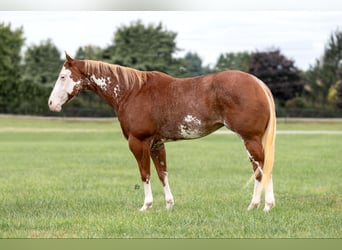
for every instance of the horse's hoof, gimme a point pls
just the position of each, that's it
(169, 204)
(145, 207)
(253, 206)
(268, 207)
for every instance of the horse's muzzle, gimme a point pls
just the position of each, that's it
(55, 107)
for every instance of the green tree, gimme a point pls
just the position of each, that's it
(142, 47)
(323, 77)
(33, 98)
(89, 52)
(315, 90)
(234, 61)
(42, 63)
(11, 42)
(190, 65)
(279, 73)
(339, 89)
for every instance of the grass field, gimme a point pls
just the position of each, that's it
(77, 179)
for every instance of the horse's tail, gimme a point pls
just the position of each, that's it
(268, 139)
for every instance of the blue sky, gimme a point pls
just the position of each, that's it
(298, 32)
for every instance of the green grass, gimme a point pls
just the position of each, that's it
(77, 179)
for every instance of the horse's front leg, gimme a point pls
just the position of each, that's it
(158, 156)
(141, 151)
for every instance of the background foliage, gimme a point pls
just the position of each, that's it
(11, 42)
(28, 74)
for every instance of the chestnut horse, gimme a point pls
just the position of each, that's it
(153, 108)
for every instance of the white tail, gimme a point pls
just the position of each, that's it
(268, 140)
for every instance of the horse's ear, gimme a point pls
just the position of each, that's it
(68, 58)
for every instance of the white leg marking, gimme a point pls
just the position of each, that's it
(256, 196)
(269, 196)
(148, 196)
(168, 195)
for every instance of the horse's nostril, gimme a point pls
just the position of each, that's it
(50, 102)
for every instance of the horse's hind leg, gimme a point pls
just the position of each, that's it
(256, 156)
(269, 196)
(158, 156)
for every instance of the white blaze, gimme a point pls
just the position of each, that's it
(63, 88)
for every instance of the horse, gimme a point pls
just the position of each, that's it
(154, 108)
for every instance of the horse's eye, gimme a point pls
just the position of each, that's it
(62, 77)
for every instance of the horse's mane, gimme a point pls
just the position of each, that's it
(128, 76)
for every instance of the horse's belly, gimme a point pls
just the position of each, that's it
(190, 127)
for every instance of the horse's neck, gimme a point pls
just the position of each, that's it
(112, 88)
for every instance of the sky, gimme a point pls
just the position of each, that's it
(299, 33)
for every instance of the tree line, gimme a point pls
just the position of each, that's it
(27, 77)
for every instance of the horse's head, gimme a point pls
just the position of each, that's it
(68, 84)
